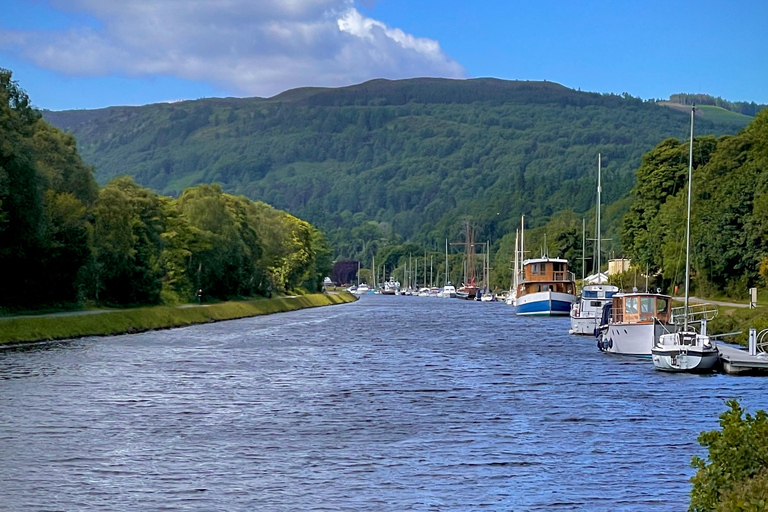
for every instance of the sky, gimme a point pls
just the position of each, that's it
(85, 54)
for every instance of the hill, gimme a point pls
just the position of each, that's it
(415, 156)
(713, 113)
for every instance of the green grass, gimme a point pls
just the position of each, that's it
(713, 113)
(42, 328)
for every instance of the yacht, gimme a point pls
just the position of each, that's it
(685, 350)
(632, 322)
(585, 313)
(447, 292)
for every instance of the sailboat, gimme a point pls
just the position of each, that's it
(585, 313)
(448, 291)
(686, 350)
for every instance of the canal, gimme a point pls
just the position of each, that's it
(390, 403)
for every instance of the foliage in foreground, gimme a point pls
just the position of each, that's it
(734, 478)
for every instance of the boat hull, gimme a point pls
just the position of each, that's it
(694, 359)
(583, 325)
(634, 339)
(546, 303)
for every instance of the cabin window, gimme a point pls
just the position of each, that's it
(661, 305)
(630, 306)
(595, 303)
(537, 269)
(646, 305)
(559, 267)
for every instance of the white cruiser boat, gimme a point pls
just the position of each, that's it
(585, 314)
(447, 292)
(632, 322)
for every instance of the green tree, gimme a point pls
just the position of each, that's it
(734, 473)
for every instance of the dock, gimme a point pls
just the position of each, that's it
(738, 361)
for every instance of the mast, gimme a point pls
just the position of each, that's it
(515, 270)
(447, 274)
(373, 272)
(688, 225)
(583, 248)
(599, 190)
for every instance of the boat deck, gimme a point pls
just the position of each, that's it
(738, 361)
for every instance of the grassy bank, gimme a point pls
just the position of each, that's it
(41, 328)
(730, 319)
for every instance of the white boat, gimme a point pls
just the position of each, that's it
(363, 289)
(545, 288)
(686, 350)
(585, 313)
(424, 292)
(632, 322)
(391, 287)
(447, 292)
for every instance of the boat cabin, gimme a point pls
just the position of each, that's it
(634, 308)
(546, 274)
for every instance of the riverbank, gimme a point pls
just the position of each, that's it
(29, 329)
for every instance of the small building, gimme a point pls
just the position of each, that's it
(618, 266)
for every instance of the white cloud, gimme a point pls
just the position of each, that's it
(249, 47)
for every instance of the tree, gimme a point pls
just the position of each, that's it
(734, 473)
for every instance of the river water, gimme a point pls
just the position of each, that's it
(389, 403)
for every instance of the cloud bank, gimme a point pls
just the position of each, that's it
(249, 47)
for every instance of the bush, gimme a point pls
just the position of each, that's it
(734, 477)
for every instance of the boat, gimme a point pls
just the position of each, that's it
(447, 292)
(546, 288)
(363, 289)
(686, 350)
(391, 287)
(632, 322)
(585, 313)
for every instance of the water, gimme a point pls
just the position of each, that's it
(390, 403)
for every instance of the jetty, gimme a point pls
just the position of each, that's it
(739, 361)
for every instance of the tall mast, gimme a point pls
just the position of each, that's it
(515, 269)
(446, 262)
(599, 190)
(688, 225)
(583, 248)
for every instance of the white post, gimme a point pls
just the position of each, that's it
(752, 341)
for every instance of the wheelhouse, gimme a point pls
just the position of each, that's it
(635, 308)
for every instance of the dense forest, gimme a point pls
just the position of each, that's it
(729, 220)
(385, 162)
(65, 241)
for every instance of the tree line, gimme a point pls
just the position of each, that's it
(740, 107)
(64, 241)
(729, 219)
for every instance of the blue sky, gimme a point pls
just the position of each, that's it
(70, 54)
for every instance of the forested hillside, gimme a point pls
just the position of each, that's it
(64, 241)
(729, 220)
(393, 160)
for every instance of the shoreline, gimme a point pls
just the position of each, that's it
(26, 330)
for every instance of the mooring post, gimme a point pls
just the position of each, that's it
(752, 341)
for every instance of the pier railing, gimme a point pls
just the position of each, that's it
(696, 314)
(564, 276)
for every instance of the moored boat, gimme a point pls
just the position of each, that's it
(545, 288)
(585, 313)
(632, 322)
(686, 350)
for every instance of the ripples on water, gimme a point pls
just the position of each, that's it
(390, 403)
